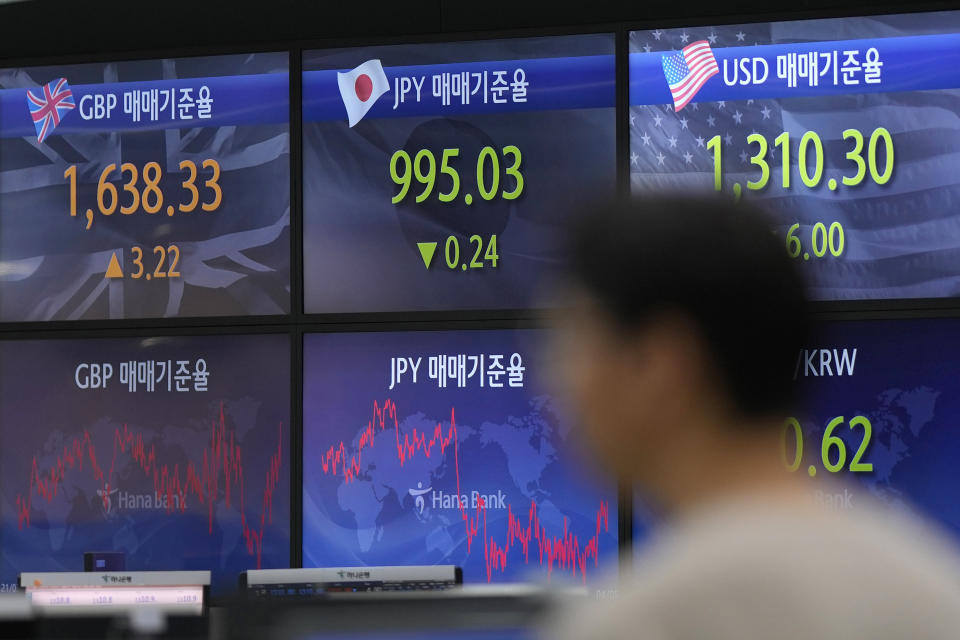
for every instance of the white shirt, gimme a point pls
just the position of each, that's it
(763, 570)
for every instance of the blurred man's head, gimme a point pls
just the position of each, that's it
(688, 317)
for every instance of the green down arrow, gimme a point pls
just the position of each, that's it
(427, 249)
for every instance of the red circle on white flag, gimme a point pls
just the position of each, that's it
(364, 87)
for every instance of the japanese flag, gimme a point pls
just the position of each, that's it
(362, 87)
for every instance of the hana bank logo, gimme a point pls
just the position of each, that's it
(106, 500)
(440, 500)
(113, 501)
(418, 494)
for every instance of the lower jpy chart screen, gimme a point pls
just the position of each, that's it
(173, 450)
(445, 448)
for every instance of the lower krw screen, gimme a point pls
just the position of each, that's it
(880, 409)
(445, 448)
(876, 422)
(172, 450)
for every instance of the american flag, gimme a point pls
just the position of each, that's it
(46, 109)
(687, 70)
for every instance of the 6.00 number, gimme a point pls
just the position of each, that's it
(822, 240)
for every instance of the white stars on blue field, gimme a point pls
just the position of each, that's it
(665, 141)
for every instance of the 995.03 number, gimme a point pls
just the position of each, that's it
(424, 168)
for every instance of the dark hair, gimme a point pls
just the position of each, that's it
(715, 261)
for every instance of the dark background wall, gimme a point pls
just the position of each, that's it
(42, 28)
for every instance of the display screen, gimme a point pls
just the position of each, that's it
(845, 129)
(445, 448)
(876, 423)
(146, 189)
(436, 176)
(173, 450)
(881, 408)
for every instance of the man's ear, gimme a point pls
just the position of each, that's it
(670, 346)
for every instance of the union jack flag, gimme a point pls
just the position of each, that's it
(46, 109)
(687, 70)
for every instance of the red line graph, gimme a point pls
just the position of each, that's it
(222, 463)
(565, 550)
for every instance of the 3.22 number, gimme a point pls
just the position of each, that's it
(172, 252)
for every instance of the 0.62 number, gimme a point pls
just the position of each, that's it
(833, 449)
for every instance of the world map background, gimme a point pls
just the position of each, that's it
(510, 440)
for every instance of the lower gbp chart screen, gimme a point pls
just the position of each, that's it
(172, 450)
(445, 448)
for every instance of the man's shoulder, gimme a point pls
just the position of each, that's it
(744, 571)
(821, 571)
(747, 538)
